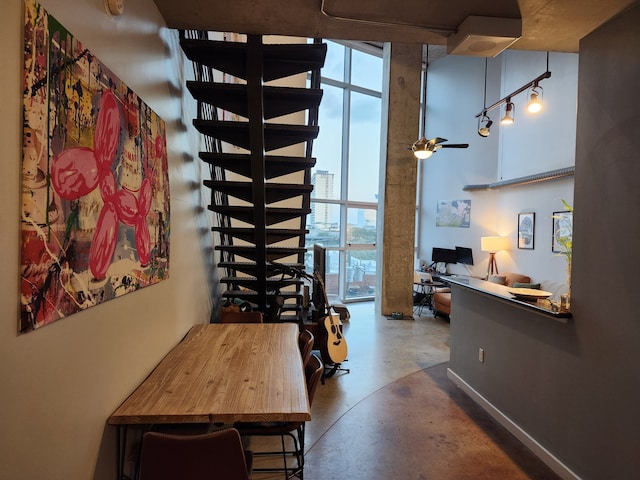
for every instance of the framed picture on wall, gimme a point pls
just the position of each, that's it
(526, 230)
(95, 221)
(562, 231)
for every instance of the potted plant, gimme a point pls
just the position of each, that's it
(563, 236)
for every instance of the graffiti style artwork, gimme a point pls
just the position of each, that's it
(95, 187)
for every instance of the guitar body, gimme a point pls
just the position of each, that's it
(334, 347)
(337, 349)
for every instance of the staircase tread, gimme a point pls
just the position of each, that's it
(252, 293)
(251, 229)
(276, 135)
(269, 209)
(251, 267)
(245, 184)
(271, 279)
(275, 165)
(273, 192)
(246, 157)
(253, 264)
(253, 247)
(280, 60)
(276, 128)
(269, 128)
(277, 101)
(270, 89)
(272, 236)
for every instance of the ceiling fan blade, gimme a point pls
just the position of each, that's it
(455, 145)
(437, 140)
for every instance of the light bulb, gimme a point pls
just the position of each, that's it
(534, 105)
(422, 154)
(508, 116)
(507, 119)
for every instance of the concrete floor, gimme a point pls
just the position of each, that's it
(397, 416)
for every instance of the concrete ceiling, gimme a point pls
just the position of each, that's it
(547, 25)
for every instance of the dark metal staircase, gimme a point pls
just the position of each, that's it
(259, 219)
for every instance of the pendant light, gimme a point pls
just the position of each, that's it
(484, 122)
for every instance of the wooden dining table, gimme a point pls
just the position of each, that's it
(220, 374)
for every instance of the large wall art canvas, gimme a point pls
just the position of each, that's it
(453, 213)
(95, 189)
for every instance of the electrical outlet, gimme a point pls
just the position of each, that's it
(481, 355)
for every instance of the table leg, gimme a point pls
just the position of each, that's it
(121, 451)
(123, 438)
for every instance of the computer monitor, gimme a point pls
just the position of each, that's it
(319, 270)
(444, 255)
(464, 255)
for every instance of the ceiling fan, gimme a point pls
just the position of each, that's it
(423, 148)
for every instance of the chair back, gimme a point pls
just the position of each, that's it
(241, 317)
(212, 456)
(305, 342)
(313, 373)
(511, 278)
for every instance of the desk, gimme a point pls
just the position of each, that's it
(221, 373)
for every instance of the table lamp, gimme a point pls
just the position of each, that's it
(493, 245)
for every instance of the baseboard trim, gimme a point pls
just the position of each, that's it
(542, 453)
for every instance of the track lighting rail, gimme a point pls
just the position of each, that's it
(507, 98)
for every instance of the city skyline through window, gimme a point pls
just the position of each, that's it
(345, 198)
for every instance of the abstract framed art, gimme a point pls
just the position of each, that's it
(95, 186)
(526, 230)
(454, 213)
(562, 231)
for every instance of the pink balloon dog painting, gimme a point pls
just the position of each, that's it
(95, 187)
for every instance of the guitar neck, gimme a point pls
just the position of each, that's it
(324, 291)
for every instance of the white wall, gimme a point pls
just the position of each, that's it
(60, 383)
(533, 144)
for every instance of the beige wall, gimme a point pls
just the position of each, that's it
(59, 384)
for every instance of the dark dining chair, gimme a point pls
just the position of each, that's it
(211, 456)
(305, 342)
(241, 317)
(295, 430)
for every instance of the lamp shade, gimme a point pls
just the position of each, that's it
(494, 244)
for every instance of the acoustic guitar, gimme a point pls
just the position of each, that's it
(336, 346)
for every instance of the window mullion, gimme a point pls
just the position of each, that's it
(344, 194)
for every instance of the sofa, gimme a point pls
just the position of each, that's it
(442, 300)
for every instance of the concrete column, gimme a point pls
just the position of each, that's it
(397, 203)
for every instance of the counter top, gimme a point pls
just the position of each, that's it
(501, 292)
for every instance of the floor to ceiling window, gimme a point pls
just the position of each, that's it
(345, 198)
